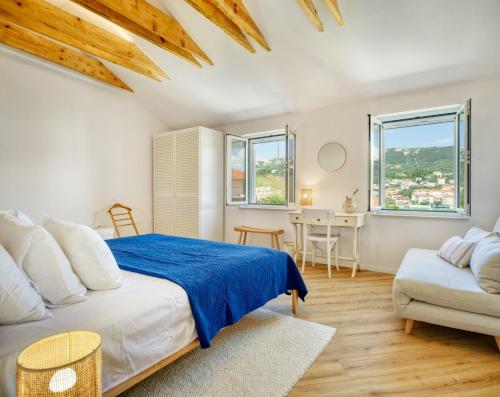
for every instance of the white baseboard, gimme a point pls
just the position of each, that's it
(320, 260)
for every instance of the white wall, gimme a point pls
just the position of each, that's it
(69, 147)
(384, 240)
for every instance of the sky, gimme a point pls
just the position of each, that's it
(270, 150)
(429, 135)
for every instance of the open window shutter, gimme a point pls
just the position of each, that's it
(375, 190)
(463, 163)
(236, 170)
(467, 157)
(290, 168)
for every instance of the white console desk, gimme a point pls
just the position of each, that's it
(353, 220)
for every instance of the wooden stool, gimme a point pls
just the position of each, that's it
(274, 233)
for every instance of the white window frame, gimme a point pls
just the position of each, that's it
(449, 113)
(290, 165)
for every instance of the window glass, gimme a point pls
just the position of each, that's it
(268, 170)
(419, 165)
(238, 171)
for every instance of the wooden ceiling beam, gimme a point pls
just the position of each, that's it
(149, 22)
(236, 11)
(310, 10)
(51, 21)
(333, 6)
(34, 44)
(212, 12)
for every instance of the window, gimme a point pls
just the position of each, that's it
(420, 161)
(261, 168)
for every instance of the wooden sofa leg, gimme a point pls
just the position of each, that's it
(497, 340)
(409, 326)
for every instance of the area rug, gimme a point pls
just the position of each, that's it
(264, 354)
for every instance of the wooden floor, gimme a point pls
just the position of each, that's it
(372, 356)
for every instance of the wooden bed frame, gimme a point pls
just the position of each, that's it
(115, 391)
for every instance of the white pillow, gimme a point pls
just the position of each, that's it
(89, 255)
(457, 251)
(19, 302)
(14, 238)
(19, 215)
(45, 265)
(496, 228)
(485, 264)
(476, 234)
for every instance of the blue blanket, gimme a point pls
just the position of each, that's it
(224, 282)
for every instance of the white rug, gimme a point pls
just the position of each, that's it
(264, 354)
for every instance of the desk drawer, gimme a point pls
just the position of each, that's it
(345, 221)
(295, 218)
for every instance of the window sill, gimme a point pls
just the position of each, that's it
(411, 214)
(267, 207)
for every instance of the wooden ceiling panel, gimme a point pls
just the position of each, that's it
(236, 11)
(32, 43)
(51, 21)
(144, 19)
(310, 10)
(333, 6)
(211, 11)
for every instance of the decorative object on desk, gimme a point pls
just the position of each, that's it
(349, 204)
(332, 156)
(65, 364)
(306, 199)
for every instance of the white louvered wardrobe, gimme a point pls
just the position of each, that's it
(188, 183)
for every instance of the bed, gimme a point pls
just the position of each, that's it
(155, 316)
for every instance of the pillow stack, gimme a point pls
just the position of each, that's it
(38, 255)
(89, 255)
(480, 249)
(49, 266)
(19, 302)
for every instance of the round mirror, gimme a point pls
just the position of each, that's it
(332, 156)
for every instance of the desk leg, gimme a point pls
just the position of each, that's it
(296, 251)
(355, 251)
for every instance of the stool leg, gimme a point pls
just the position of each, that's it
(240, 238)
(244, 238)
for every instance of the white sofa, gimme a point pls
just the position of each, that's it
(429, 289)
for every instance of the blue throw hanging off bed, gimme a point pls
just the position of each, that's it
(223, 281)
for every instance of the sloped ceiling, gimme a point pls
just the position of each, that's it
(385, 46)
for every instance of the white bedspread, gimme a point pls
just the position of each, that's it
(140, 323)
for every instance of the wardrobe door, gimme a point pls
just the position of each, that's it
(187, 187)
(164, 184)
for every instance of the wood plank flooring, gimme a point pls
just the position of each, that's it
(372, 356)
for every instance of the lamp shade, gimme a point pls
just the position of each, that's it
(305, 197)
(63, 365)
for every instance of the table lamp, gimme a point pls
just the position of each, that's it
(305, 199)
(63, 365)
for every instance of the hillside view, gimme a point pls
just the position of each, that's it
(420, 178)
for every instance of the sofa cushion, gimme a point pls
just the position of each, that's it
(496, 228)
(485, 264)
(423, 276)
(477, 234)
(457, 251)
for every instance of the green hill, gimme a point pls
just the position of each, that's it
(414, 163)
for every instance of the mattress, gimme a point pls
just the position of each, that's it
(140, 323)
